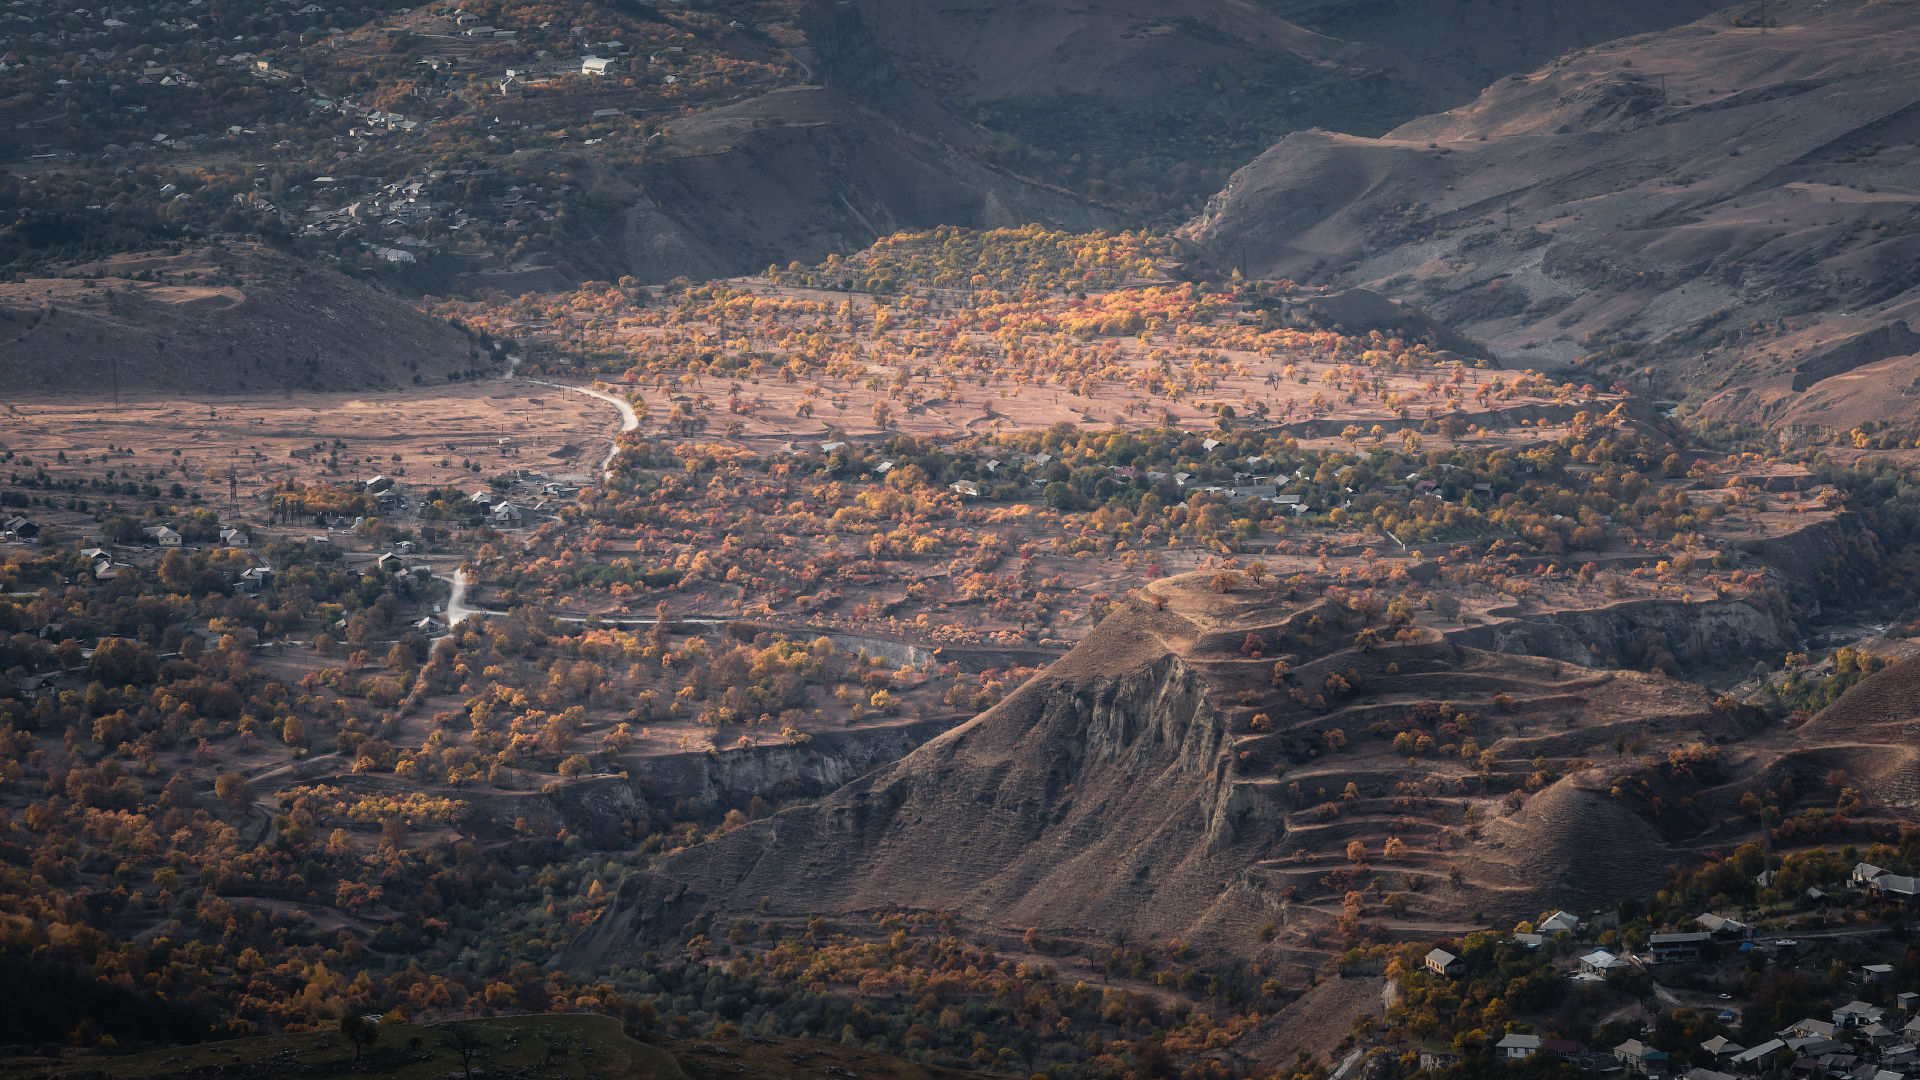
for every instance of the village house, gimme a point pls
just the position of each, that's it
(1517, 1047)
(1757, 1056)
(1558, 921)
(1442, 962)
(1600, 962)
(1809, 1028)
(1722, 1047)
(1857, 1013)
(1640, 1058)
(1723, 928)
(1677, 948)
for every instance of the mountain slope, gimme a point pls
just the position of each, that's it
(1669, 193)
(214, 320)
(802, 173)
(1149, 104)
(1159, 782)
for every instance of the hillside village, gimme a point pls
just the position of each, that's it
(852, 541)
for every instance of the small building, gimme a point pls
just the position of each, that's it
(1879, 1034)
(164, 536)
(1442, 962)
(1565, 1050)
(1895, 887)
(1558, 921)
(966, 489)
(1697, 1073)
(506, 515)
(1864, 873)
(1858, 1013)
(1905, 1001)
(1722, 1047)
(1601, 962)
(1677, 948)
(234, 538)
(1757, 1057)
(1517, 1047)
(23, 528)
(1809, 1028)
(391, 563)
(1640, 1058)
(597, 65)
(1725, 929)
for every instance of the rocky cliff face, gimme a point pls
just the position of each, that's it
(820, 765)
(1100, 796)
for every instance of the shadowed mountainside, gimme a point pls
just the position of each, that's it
(216, 320)
(1724, 203)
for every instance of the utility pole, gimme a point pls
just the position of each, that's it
(1766, 842)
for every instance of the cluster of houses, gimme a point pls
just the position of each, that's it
(1856, 1044)
(1859, 1040)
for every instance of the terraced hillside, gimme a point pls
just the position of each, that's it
(1199, 768)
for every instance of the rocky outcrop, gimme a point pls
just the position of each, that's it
(1710, 633)
(823, 763)
(1101, 796)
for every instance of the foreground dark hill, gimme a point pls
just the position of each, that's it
(1728, 204)
(1160, 782)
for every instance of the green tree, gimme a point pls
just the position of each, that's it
(360, 1032)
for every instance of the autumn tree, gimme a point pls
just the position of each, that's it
(123, 661)
(400, 659)
(233, 789)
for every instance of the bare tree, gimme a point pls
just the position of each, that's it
(464, 1042)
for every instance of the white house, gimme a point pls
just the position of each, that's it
(596, 65)
(166, 537)
(1516, 1047)
(1600, 962)
(1856, 1013)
